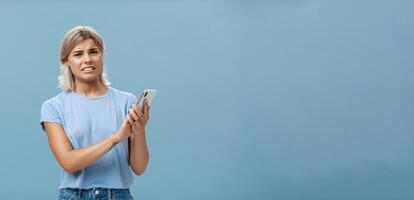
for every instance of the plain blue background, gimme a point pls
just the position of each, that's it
(283, 99)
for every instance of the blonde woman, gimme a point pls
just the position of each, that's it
(96, 132)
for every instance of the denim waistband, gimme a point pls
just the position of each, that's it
(95, 193)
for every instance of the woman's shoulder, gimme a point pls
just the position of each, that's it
(123, 98)
(122, 94)
(56, 101)
(58, 98)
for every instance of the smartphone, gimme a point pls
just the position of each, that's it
(148, 94)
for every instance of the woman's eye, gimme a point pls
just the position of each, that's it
(77, 55)
(94, 52)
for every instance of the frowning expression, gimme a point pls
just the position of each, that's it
(85, 61)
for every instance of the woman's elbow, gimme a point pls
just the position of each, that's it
(69, 167)
(138, 171)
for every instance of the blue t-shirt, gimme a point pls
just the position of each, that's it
(89, 120)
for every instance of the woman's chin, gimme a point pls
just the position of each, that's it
(89, 78)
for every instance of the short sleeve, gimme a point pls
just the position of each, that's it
(49, 113)
(131, 100)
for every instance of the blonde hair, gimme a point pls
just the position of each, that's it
(73, 37)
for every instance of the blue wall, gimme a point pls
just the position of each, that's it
(284, 99)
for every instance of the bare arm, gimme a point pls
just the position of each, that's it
(73, 160)
(138, 150)
(139, 154)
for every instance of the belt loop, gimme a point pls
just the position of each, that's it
(109, 194)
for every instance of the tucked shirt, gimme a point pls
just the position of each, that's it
(89, 120)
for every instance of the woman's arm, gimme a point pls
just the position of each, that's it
(73, 160)
(139, 154)
(138, 150)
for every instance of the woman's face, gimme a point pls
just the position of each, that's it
(85, 61)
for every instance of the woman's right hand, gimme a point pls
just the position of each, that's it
(124, 131)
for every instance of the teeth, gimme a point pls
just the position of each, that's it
(88, 69)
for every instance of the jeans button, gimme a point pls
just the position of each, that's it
(96, 192)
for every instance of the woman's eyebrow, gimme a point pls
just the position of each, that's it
(81, 50)
(78, 51)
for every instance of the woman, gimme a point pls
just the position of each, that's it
(96, 132)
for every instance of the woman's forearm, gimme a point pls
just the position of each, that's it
(139, 154)
(78, 159)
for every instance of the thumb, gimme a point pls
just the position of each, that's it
(125, 122)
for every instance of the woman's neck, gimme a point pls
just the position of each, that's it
(90, 89)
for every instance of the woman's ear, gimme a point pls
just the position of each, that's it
(66, 65)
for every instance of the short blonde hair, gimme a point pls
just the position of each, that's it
(73, 37)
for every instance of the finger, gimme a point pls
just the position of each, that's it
(133, 114)
(146, 107)
(129, 116)
(141, 118)
(130, 121)
(136, 114)
(137, 111)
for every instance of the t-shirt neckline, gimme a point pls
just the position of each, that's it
(92, 98)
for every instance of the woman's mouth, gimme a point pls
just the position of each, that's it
(88, 69)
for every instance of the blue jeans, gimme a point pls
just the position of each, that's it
(94, 193)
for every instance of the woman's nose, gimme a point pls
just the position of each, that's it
(87, 58)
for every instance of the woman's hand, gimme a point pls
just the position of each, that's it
(124, 131)
(137, 119)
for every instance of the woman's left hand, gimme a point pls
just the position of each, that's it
(137, 119)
